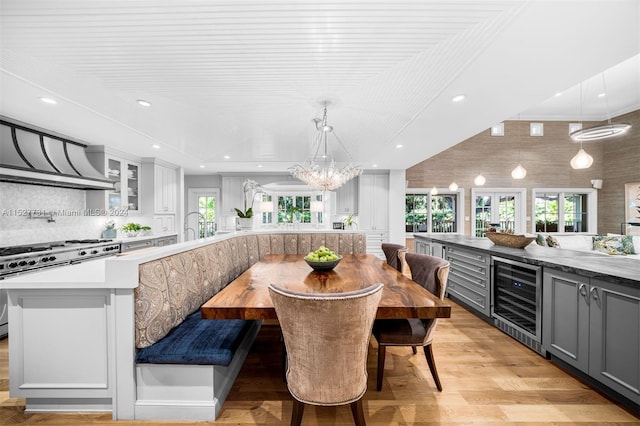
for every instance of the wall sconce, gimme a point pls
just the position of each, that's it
(596, 183)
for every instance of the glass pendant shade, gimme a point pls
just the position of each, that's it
(480, 180)
(453, 186)
(581, 160)
(434, 191)
(519, 172)
(321, 172)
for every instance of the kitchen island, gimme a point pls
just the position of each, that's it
(581, 309)
(73, 328)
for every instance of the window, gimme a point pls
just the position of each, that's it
(431, 213)
(503, 209)
(207, 217)
(294, 208)
(565, 210)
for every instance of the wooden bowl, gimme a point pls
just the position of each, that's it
(510, 240)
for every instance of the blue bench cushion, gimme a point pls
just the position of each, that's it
(197, 341)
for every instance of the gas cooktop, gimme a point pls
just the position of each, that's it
(29, 257)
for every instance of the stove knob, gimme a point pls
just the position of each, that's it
(32, 262)
(22, 263)
(13, 265)
(82, 253)
(52, 258)
(94, 252)
(44, 259)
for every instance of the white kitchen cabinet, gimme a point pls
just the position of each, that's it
(232, 194)
(373, 205)
(124, 173)
(164, 223)
(347, 198)
(373, 210)
(159, 187)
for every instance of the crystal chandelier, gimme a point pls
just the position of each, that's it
(321, 171)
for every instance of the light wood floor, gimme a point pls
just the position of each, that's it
(488, 379)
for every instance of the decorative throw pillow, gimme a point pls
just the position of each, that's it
(616, 245)
(552, 242)
(541, 241)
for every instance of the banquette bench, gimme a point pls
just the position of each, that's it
(185, 365)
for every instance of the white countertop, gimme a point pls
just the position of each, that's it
(88, 274)
(121, 270)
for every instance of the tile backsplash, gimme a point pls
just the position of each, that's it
(68, 206)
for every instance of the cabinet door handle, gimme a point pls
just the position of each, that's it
(594, 293)
(582, 289)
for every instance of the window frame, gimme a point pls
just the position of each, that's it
(315, 218)
(459, 210)
(592, 208)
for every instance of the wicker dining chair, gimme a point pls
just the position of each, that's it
(326, 337)
(430, 272)
(394, 253)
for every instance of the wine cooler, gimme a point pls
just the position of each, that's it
(517, 301)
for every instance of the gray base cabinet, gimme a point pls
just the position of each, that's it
(469, 278)
(594, 326)
(431, 248)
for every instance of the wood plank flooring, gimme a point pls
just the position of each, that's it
(488, 379)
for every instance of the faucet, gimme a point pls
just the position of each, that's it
(186, 225)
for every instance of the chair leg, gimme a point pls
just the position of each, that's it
(296, 414)
(382, 351)
(414, 349)
(428, 353)
(358, 412)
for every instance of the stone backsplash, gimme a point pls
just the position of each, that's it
(72, 220)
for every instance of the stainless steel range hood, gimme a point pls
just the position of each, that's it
(28, 155)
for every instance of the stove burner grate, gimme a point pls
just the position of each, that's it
(86, 241)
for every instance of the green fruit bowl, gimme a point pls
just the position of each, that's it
(323, 266)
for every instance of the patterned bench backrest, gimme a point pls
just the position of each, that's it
(173, 287)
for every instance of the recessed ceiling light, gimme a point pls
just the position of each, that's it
(202, 166)
(458, 98)
(155, 146)
(602, 95)
(226, 157)
(399, 145)
(558, 94)
(143, 103)
(259, 166)
(49, 101)
(374, 166)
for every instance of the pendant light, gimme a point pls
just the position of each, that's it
(519, 172)
(434, 191)
(581, 160)
(480, 180)
(453, 186)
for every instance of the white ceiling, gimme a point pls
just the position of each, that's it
(245, 78)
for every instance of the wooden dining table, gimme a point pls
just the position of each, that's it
(247, 297)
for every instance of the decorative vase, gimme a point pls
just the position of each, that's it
(244, 223)
(109, 233)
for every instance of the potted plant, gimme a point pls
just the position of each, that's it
(132, 229)
(349, 222)
(251, 188)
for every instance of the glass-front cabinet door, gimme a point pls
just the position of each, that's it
(124, 174)
(126, 192)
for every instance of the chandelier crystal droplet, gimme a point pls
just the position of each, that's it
(321, 172)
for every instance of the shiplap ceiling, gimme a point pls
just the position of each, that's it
(245, 78)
